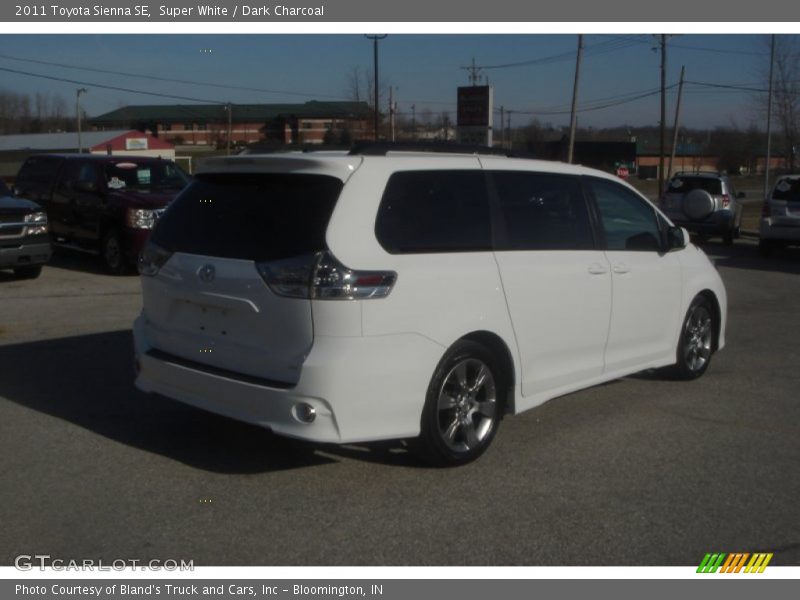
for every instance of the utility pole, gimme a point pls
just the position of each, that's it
(573, 121)
(675, 126)
(508, 128)
(474, 73)
(229, 108)
(375, 39)
(502, 128)
(414, 120)
(78, 93)
(769, 118)
(391, 111)
(663, 114)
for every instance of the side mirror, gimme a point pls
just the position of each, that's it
(89, 187)
(677, 237)
(741, 195)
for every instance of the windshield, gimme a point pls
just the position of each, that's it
(145, 175)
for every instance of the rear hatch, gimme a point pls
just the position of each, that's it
(678, 201)
(208, 303)
(784, 205)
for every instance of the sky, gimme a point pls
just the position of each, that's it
(532, 74)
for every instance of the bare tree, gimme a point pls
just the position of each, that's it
(786, 96)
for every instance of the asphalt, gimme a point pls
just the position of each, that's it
(641, 471)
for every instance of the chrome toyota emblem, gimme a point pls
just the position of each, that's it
(206, 273)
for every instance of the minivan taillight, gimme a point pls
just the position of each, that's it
(322, 277)
(152, 258)
(726, 201)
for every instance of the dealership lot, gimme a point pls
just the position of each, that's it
(639, 471)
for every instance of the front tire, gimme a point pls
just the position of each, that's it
(463, 407)
(30, 272)
(696, 342)
(112, 254)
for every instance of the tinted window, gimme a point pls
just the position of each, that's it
(144, 175)
(38, 170)
(684, 185)
(4, 191)
(434, 211)
(787, 189)
(250, 216)
(629, 223)
(542, 212)
(72, 172)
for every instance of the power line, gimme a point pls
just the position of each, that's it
(171, 80)
(700, 48)
(111, 87)
(726, 86)
(595, 49)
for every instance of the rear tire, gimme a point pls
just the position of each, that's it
(696, 342)
(31, 272)
(463, 407)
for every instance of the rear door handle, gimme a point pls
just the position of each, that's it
(621, 268)
(597, 269)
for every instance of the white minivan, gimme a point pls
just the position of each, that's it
(388, 294)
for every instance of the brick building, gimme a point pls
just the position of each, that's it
(207, 124)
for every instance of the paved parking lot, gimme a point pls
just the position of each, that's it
(641, 471)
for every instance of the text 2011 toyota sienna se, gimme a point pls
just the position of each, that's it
(349, 298)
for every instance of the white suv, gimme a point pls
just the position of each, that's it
(383, 295)
(780, 217)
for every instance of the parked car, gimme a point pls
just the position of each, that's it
(780, 217)
(24, 240)
(101, 204)
(389, 294)
(704, 203)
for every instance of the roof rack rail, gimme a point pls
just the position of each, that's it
(277, 148)
(382, 148)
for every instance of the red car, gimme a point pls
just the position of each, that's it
(101, 204)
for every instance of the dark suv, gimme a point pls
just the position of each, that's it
(105, 205)
(24, 242)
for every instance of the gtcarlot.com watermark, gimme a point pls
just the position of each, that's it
(29, 562)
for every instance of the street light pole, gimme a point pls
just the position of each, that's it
(78, 93)
(663, 114)
(769, 118)
(375, 39)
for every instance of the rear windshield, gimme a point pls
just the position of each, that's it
(787, 189)
(682, 185)
(144, 175)
(250, 216)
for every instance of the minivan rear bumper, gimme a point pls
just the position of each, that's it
(361, 388)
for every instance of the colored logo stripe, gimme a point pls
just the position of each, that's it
(758, 563)
(734, 562)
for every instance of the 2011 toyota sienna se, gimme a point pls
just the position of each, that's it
(411, 295)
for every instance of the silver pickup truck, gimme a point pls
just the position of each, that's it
(24, 235)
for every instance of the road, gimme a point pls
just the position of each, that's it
(641, 471)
